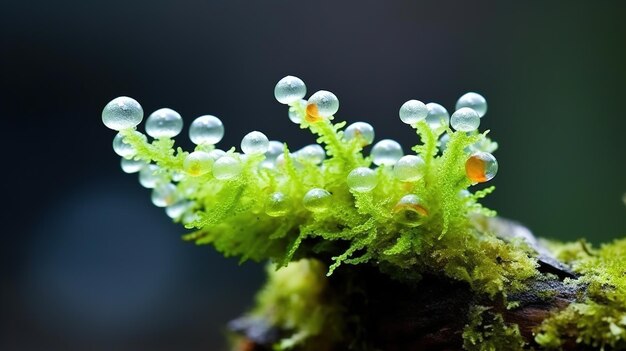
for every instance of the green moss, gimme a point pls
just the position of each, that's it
(487, 331)
(599, 319)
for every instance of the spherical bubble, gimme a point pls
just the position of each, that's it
(150, 176)
(294, 111)
(313, 153)
(289, 90)
(317, 200)
(122, 148)
(438, 116)
(198, 163)
(227, 167)
(274, 149)
(164, 123)
(178, 176)
(322, 104)
(386, 152)
(122, 113)
(360, 130)
(474, 101)
(255, 143)
(465, 120)
(443, 141)
(413, 111)
(409, 211)
(177, 209)
(362, 179)
(131, 165)
(409, 168)
(164, 195)
(481, 167)
(216, 154)
(277, 205)
(206, 130)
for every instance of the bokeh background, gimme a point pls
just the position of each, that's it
(87, 263)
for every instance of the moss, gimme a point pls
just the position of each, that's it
(599, 318)
(487, 331)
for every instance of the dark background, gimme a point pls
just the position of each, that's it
(89, 264)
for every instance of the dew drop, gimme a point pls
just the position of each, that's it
(437, 117)
(122, 113)
(164, 195)
(409, 211)
(227, 167)
(198, 163)
(361, 131)
(481, 167)
(474, 101)
(131, 165)
(122, 148)
(255, 143)
(277, 205)
(386, 152)
(206, 130)
(164, 123)
(413, 111)
(317, 200)
(362, 179)
(465, 120)
(289, 90)
(322, 104)
(312, 153)
(150, 175)
(295, 114)
(409, 168)
(177, 209)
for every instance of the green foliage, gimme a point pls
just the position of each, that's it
(599, 319)
(487, 331)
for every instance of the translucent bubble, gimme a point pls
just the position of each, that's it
(178, 176)
(206, 130)
(413, 111)
(122, 148)
(122, 113)
(474, 101)
(386, 152)
(409, 211)
(177, 209)
(131, 165)
(294, 111)
(150, 175)
(289, 90)
(322, 104)
(317, 200)
(164, 123)
(216, 154)
(198, 163)
(409, 168)
(362, 179)
(437, 116)
(255, 143)
(481, 167)
(227, 167)
(465, 120)
(277, 205)
(443, 141)
(164, 195)
(313, 153)
(360, 130)
(274, 149)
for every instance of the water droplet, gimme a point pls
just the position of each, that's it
(216, 154)
(474, 101)
(465, 120)
(164, 123)
(227, 167)
(312, 153)
(409, 168)
(322, 104)
(122, 113)
(255, 143)
(206, 130)
(386, 152)
(289, 90)
(409, 211)
(481, 167)
(131, 165)
(198, 163)
(362, 179)
(295, 114)
(150, 175)
(122, 148)
(360, 130)
(177, 209)
(443, 141)
(317, 200)
(164, 195)
(437, 117)
(413, 111)
(277, 205)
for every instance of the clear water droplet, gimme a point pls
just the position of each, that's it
(409, 211)
(409, 168)
(481, 167)
(295, 111)
(122, 148)
(164, 123)
(289, 90)
(362, 179)
(474, 101)
(131, 165)
(255, 143)
(443, 141)
(360, 130)
(177, 209)
(437, 117)
(122, 113)
(312, 153)
(386, 152)
(198, 163)
(413, 111)
(277, 205)
(322, 104)
(317, 200)
(465, 120)
(206, 130)
(150, 175)
(227, 167)
(164, 195)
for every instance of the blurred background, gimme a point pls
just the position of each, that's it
(87, 263)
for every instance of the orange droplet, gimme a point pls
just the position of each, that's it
(312, 114)
(475, 169)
